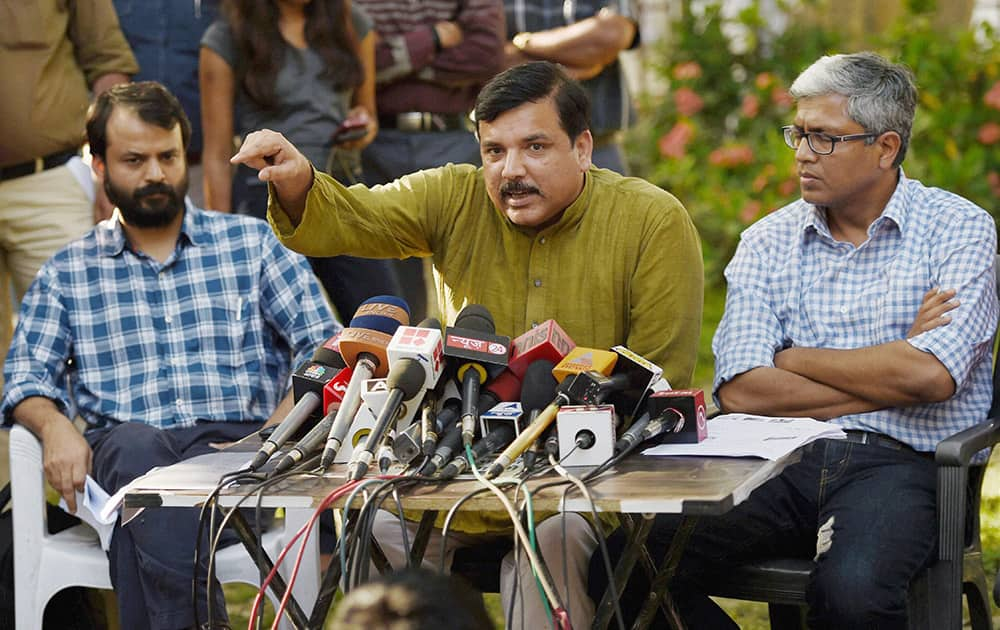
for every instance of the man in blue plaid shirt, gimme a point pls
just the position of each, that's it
(869, 303)
(181, 327)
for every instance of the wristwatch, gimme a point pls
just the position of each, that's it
(521, 41)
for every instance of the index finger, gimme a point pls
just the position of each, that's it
(258, 150)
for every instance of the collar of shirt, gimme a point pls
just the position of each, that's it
(896, 211)
(111, 239)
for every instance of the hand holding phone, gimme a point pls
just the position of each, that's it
(349, 130)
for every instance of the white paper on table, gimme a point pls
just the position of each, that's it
(744, 435)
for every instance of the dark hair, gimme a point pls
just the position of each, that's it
(261, 48)
(150, 100)
(530, 83)
(413, 599)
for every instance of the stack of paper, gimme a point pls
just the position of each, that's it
(742, 435)
(95, 508)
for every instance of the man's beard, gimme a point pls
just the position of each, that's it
(140, 208)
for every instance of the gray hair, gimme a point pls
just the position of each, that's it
(881, 96)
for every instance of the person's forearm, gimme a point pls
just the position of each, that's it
(594, 41)
(217, 182)
(106, 81)
(776, 392)
(893, 374)
(39, 415)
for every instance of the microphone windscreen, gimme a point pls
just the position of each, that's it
(506, 387)
(539, 386)
(476, 317)
(329, 353)
(384, 313)
(430, 322)
(407, 375)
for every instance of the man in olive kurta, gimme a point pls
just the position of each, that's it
(536, 233)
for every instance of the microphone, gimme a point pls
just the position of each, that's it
(308, 445)
(667, 422)
(546, 341)
(451, 442)
(631, 437)
(493, 441)
(417, 365)
(307, 389)
(538, 389)
(480, 355)
(579, 360)
(363, 346)
(329, 353)
(642, 374)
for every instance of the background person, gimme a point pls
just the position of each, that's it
(301, 68)
(585, 36)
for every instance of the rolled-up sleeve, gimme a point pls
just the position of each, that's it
(750, 333)
(40, 349)
(964, 260)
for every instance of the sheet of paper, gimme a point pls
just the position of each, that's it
(743, 435)
(95, 508)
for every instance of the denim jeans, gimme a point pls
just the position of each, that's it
(152, 557)
(865, 513)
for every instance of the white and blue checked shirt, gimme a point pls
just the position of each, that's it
(792, 284)
(210, 334)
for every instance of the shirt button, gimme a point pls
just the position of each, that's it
(538, 283)
(179, 402)
(542, 240)
(534, 324)
(844, 309)
(168, 319)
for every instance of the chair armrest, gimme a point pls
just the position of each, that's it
(959, 448)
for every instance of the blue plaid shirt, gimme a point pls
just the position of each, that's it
(210, 334)
(792, 284)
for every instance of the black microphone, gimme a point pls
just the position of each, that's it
(451, 442)
(405, 380)
(537, 391)
(631, 436)
(493, 441)
(307, 390)
(479, 354)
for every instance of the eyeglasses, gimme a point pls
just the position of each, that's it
(820, 143)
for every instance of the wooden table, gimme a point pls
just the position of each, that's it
(639, 486)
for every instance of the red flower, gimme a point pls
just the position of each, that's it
(750, 211)
(764, 80)
(750, 106)
(781, 97)
(993, 178)
(688, 103)
(992, 98)
(673, 143)
(989, 133)
(687, 70)
(731, 156)
(787, 187)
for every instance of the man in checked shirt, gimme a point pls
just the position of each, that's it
(869, 303)
(182, 327)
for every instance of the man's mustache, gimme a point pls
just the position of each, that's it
(518, 188)
(154, 189)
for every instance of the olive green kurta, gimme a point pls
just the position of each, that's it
(622, 266)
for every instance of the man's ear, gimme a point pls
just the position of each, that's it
(584, 147)
(98, 166)
(889, 144)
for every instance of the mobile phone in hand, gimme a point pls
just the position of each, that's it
(348, 131)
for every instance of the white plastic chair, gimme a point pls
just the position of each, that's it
(46, 563)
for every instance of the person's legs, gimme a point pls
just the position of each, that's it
(566, 542)
(388, 532)
(151, 558)
(877, 529)
(777, 518)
